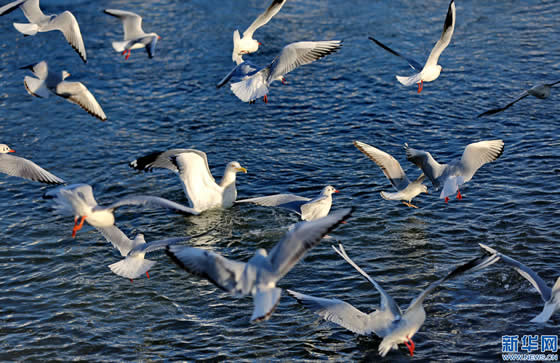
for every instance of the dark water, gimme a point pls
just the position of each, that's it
(59, 300)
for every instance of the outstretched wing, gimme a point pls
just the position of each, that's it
(446, 35)
(132, 23)
(23, 168)
(264, 18)
(217, 269)
(77, 93)
(289, 201)
(424, 160)
(68, 25)
(411, 62)
(297, 54)
(159, 160)
(480, 153)
(150, 201)
(388, 164)
(500, 109)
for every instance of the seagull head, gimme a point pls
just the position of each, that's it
(329, 190)
(4, 149)
(235, 166)
(65, 75)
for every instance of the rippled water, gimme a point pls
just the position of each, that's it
(60, 301)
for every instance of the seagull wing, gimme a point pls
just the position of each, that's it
(23, 168)
(524, 271)
(446, 35)
(217, 269)
(150, 201)
(77, 93)
(297, 54)
(478, 154)
(8, 8)
(264, 18)
(411, 62)
(388, 164)
(68, 25)
(424, 160)
(158, 160)
(132, 23)
(500, 109)
(301, 238)
(289, 201)
(118, 239)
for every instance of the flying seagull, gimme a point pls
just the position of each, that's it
(199, 185)
(134, 36)
(259, 275)
(406, 190)
(451, 176)
(253, 83)
(541, 91)
(431, 70)
(309, 209)
(388, 321)
(74, 92)
(39, 22)
(16, 166)
(551, 297)
(78, 200)
(247, 44)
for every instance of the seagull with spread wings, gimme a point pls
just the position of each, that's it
(74, 92)
(451, 176)
(431, 69)
(23, 168)
(39, 22)
(406, 190)
(258, 276)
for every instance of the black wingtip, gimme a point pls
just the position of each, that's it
(144, 163)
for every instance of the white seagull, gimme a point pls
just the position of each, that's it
(541, 91)
(309, 209)
(406, 190)
(16, 166)
(134, 264)
(451, 176)
(199, 185)
(134, 36)
(256, 82)
(247, 44)
(551, 297)
(78, 200)
(259, 275)
(39, 22)
(431, 70)
(388, 321)
(74, 92)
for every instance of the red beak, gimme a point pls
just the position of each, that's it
(259, 43)
(11, 151)
(158, 37)
(337, 191)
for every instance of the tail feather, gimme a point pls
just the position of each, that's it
(409, 81)
(27, 29)
(265, 301)
(36, 87)
(451, 185)
(249, 89)
(120, 45)
(132, 267)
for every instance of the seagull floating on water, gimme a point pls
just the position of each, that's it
(247, 44)
(134, 36)
(406, 190)
(259, 275)
(78, 200)
(309, 209)
(551, 297)
(388, 321)
(199, 185)
(431, 70)
(451, 176)
(16, 166)
(74, 92)
(39, 22)
(253, 82)
(541, 91)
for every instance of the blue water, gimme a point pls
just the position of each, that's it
(59, 300)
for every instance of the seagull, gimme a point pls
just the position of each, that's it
(134, 264)
(406, 190)
(551, 297)
(74, 92)
(199, 185)
(259, 275)
(431, 70)
(388, 321)
(541, 91)
(255, 84)
(16, 166)
(242, 71)
(451, 176)
(247, 44)
(39, 22)
(309, 209)
(134, 36)
(78, 200)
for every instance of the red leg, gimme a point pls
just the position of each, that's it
(127, 55)
(446, 199)
(147, 274)
(411, 347)
(459, 196)
(265, 98)
(420, 86)
(77, 226)
(131, 281)
(124, 52)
